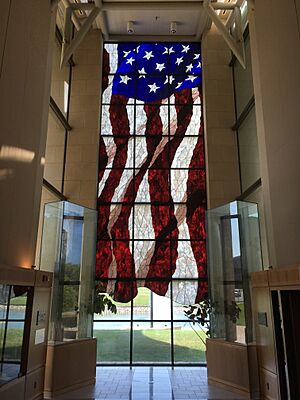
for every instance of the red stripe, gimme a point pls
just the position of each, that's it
(163, 262)
(196, 205)
(120, 126)
(122, 251)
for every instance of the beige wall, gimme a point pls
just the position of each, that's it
(219, 117)
(275, 43)
(25, 55)
(82, 151)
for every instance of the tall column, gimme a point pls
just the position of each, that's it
(83, 141)
(26, 37)
(275, 44)
(219, 117)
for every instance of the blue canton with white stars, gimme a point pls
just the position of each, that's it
(154, 71)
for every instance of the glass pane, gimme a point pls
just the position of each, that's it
(193, 128)
(53, 168)
(14, 341)
(143, 305)
(2, 328)
(143, 253)
(10, 367)
(17, 307)
(150, 306)
(243, 82)
(70, 299)
(179, 180)
(116, 182)
(143, 228)
(117, 121)
(122, 251)
(148, 149)
(143, 192)
(112, 51)
(72, 247)
(184, 152)
(110, 146)
(51, 239)
(184, 293)
(108, 91)
(123, 309)
(154, 120)
(70, 311)
(60, 81)
(152, 342)
(4, 295)
(113, 340)
(248, 149)
(189, 343)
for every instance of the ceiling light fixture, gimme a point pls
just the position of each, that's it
(173, 27)
(130, 28)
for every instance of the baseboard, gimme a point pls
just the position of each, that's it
(228, 386)
(50, 394)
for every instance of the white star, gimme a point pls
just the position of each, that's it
(125, 79)
(126, 53)
(196, 56)
(160, 67)
(142, 71)
(185, 49)
(153, 88)
(138, 48)
(189, 68)
(130, 60)
(199, 65)
(191, 78)
(168, 51)
(148, 55)
(169, 79)
(179, 60)
(179, 84)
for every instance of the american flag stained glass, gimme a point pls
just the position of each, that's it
(152, 195)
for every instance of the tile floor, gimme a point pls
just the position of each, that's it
(150, 383)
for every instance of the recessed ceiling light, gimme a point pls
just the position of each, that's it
(173, 27)
(130, 28)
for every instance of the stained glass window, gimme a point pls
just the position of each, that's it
(152, 196)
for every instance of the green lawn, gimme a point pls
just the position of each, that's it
(18, 301)
(241, 320)
(13, 345)
(149, 345)
(142, 299)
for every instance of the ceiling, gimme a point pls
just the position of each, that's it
(151, 19)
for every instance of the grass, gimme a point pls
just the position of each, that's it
(149, 345)
(13, 345)
(18, 301)
(142, 299)
(241, 320)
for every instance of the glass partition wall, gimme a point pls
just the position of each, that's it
(68, 249)
(234, 251)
